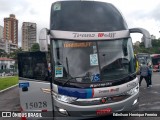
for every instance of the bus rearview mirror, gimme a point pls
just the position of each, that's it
(146, 36)
(43, 40)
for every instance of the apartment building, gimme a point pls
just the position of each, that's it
(1, 32)
(2, 45)
(11, 29)
(7, 46)
(29, 35)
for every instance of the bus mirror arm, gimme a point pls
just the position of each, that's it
(146, 36)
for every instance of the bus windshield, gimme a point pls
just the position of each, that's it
(111, 60)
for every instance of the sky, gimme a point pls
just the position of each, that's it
(137, 13)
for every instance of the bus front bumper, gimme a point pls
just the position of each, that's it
(69, 111)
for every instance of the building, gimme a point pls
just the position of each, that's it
(1, 32)
(6, 64)
(2, 44)
(11, 29)
(153, 37)
(10, 47)
(7, 46)
(29, 35)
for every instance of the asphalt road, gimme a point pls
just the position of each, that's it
(9, 101)
(150, 97)
(149, 101)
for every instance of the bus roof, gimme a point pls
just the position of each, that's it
(155, 55)
(143, 54)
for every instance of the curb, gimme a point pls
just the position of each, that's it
(8, 88)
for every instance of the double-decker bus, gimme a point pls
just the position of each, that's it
(156, 62)
(92, 63)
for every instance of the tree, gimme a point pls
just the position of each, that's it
(13, 55)
(2, 53)
(155, 49)
(35, 47)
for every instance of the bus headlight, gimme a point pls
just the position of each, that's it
(65, 98)
(133, 90)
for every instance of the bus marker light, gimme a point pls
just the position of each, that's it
(63, 111)
(135, 101)
(45, 110)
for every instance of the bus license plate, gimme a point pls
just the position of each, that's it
(106, 111)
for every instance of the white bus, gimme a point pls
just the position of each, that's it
(144, 57)
(92, 63)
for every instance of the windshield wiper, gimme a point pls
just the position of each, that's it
(87, 76)
(70, 79)
(133, 75)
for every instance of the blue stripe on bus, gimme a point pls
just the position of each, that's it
(89, 93)
(75, 92)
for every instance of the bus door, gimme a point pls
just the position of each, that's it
(34, 83)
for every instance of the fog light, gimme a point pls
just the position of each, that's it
(63, 111)
(135, 101)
